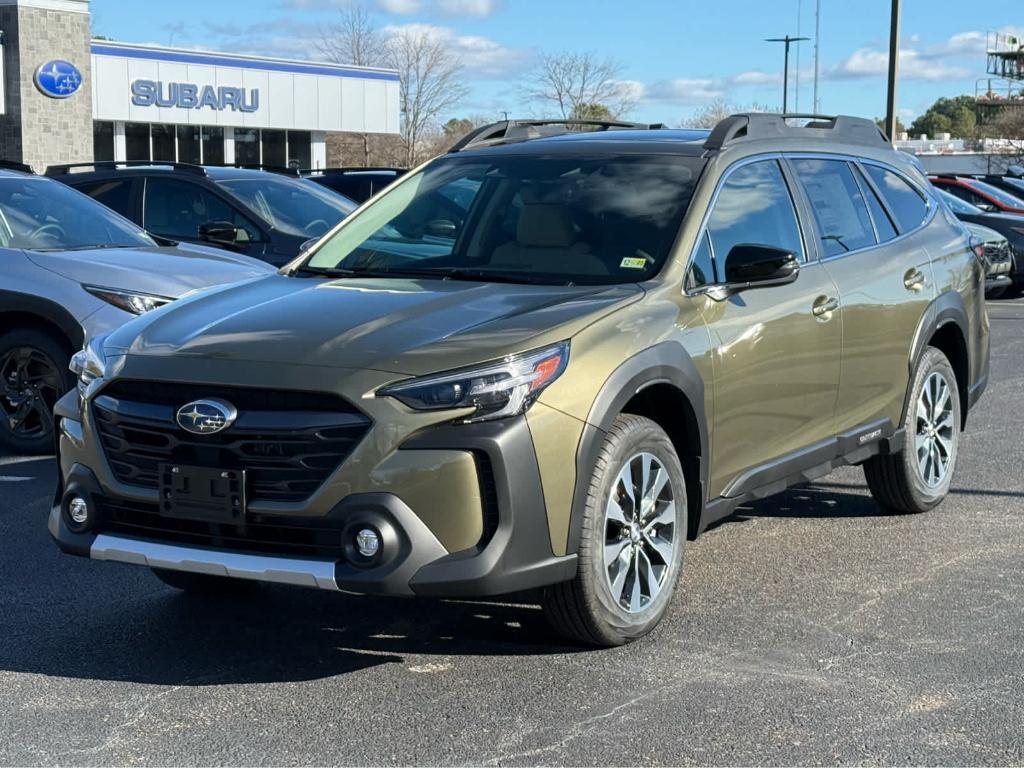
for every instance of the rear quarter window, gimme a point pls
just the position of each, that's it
(905, 202)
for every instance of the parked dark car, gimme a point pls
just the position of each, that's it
(359, 184)
(1009, 225)
(997, 259)
(1006, 182)
(261, 214)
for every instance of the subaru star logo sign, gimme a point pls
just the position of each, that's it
(206, 417)
(58, 79)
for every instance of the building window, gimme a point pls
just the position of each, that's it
(102, 140)
(299, 149)
(247, 146)
(189, 147)
(213, 145)
(274, 148)
(136, 141)
(162, 137)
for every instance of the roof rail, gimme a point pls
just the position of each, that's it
(284, 170)
(510, 131)
(351, 169)
(65, 168)
(771, 125)
(14, 165)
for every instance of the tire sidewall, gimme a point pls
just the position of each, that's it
(932, 361)
(642, 435)
(58, 355)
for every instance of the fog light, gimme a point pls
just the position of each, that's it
(78, 510)
(368, 542)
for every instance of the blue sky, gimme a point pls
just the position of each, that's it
(676, 54)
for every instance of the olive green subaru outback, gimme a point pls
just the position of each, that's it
(544, 360)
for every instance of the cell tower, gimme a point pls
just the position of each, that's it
(1004, 87)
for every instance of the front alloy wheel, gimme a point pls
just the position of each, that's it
(631, 541)
(33, 376)
(640, 521)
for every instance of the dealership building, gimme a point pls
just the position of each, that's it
(69, 98)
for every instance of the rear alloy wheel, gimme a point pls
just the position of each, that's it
(33, 376)
(918, 477)
(631, 546)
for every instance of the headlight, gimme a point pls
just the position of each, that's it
(495, 390)
(129, 301)
(89, 364)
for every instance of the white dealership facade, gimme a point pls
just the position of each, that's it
(171, 104)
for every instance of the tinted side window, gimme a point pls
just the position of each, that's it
(754, 207)
(116, 194)
(883, 224)
(838, 205)
(702, 270)
(174, 208)
(904, 201)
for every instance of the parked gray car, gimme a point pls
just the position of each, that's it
(72, 268)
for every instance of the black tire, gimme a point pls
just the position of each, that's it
(897, 481)
(203, 583)
(29, 388)
(586, 610)
(996, 293)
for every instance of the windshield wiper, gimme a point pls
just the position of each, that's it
(404, 273)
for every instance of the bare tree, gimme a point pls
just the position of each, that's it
(571, 83)
(714, 112)
(353, 39)
(428, 71)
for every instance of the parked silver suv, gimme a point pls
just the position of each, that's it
(72, 268)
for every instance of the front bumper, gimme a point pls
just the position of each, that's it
(515, 555)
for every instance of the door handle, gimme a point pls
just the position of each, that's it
(824, 305)
(913, 280)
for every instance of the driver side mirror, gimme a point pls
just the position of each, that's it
(442, 228)
(759, 266)
(219, 233)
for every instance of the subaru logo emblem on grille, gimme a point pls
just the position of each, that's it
(206, 417)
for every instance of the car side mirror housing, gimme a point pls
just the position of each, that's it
(219, 232)
(749, 265)
(442, 228)
(307, 244)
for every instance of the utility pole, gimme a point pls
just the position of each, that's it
(817, 54)
(787, 41)
(894, 68)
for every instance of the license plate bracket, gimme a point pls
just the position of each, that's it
(203, 493)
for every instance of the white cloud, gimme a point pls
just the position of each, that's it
(869, 63)
(478, 8)
(685, 90)
(757, 77)
(481, 57)
(399, 7)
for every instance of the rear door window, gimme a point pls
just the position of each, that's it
(116, 194)
(905, 202)
(754, 207)
(884, 227)
(839, 207)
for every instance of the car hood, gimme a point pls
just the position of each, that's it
(401, 326)
(170, 271)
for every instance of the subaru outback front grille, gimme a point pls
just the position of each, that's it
(288, 442)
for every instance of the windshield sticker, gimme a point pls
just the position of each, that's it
(632, 262)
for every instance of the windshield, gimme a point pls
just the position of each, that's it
(522, 218)
(1017, 184)
(1004, 198)
(292, 206)
(958, 205)
(40, 214)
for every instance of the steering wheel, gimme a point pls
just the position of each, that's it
(316, 227)
(54, 231)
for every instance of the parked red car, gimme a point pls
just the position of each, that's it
(980, 193)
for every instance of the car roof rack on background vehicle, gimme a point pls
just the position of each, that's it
(284, 170)
(772, 125)
(353, 169)
(14, 165)
(65, 168)
(512, 131)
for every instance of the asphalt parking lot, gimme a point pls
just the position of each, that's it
(811, 628)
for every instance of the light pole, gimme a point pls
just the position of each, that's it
(787, 41)
(894, 68)
(817, 54)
